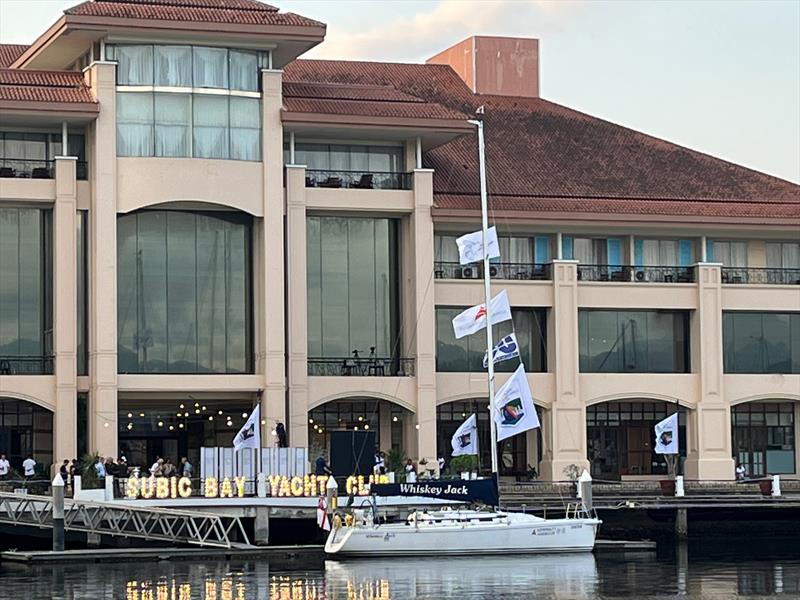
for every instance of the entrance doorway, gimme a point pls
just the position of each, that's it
(620, 438)
(764, 437)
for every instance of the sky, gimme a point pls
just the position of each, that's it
(722, 77)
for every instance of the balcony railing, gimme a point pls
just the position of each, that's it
(26, 365)
(519, 271)
(361, 180)
(361, 367)
(37, 169)
(626, 273)
(27, 169)
(734, 275)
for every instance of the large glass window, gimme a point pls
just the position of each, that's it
(763, 437)
(783, 255)
(352, 157)
(466, 355)
(184, 289)
(729, 253)
(184, 125)
(761, 342)
(663, 253)
(26, 430)
(636, 341)
(352, 287)
(25, 291)
(32, 154)
(82, 289)
(187, 66)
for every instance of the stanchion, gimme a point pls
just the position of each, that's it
(58, 513)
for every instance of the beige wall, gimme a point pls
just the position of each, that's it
(121, 185)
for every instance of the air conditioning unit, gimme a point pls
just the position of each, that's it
(639, 275)
(493, 271)
(468, 273)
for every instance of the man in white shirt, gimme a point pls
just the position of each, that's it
(100, 467)
(29, 465)
(4, 467)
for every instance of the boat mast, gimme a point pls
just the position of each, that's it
(487, 285)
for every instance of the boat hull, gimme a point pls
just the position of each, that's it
(544, 536)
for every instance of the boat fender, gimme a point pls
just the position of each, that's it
(337, 522)
(348, 520)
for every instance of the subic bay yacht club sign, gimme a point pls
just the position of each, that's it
(278, 486)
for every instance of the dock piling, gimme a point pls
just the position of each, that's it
(58, 513)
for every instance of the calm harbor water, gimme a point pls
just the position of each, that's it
(698, 571)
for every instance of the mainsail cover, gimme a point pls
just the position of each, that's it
(462, 490)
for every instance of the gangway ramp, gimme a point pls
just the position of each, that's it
(154, 524)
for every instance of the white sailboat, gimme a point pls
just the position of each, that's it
(465, 531)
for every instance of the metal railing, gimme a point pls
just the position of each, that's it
(37, 169)
(774, 276)
(664, 274)
(519, 271)
(604, 273)
(26, 365)
(155, 524)
(364, 180)
(28, 169)
(360, 367)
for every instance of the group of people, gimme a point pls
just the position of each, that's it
(163, 467)
(28, 467)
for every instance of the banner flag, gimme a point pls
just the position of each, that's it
(473, 319)
(470, 246)
(465, 439)
(514, 411)
(249, 435)
(506, 349)
(667, 435)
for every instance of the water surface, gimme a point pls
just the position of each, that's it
(727, 570)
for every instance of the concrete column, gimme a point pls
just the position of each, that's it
(103, 264)
(297, 303)
(385, 426)
(423, 309)
(564, 425)
(681, 524)
(261, 526)
(270, 360)
(65, 310)
(709, 426)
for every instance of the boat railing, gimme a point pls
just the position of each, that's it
(578, 510)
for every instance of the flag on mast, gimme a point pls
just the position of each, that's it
(667, 435)
(465, 439)
(470, 246)
(249, 435)
(506, 349)
(473, 319)
(514, 411)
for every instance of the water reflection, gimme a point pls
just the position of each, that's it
(694, 572)
(555, 576)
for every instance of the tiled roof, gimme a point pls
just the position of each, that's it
(545, 157)
(360, 100)
(9, 53)
(241, 12)
(44, 86)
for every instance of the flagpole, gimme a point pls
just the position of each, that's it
(487, 288)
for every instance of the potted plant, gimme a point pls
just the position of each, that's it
(466, 463)
(395, 463)
(765, 485)
(572, 473)
(668, 485)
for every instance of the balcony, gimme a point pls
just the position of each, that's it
(36, 169)
(768, 276)
(360, 367)
(515, 271)
(26, 365)
(358, 180)
(627, 273)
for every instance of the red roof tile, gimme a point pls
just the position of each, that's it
(360, 100)
(10, 52)
(242, 12)
(543, 156)
(44, 86)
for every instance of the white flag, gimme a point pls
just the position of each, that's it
(249, 435)
(473, 319)
(514, 411)
(505, 349)
(465, 439)
(470, 246)
(667, 435)
(322, 514)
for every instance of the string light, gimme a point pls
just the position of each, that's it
(219, 412)
(416, 426)
(196, 404)
(394, 419)
(179, 414)
(355, 428)
(263, 421)
(210, 417)
(182, 406)
(161, 423)
(366, 426)
(171, 428)
(311, 420)
(204, 408)
(180, 425)
(186, 414)
(197, 411)
(130, 415)
(130, 426)
(105, 424)
(360, 419)
(244, 415)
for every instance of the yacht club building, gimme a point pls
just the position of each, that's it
(194, 219)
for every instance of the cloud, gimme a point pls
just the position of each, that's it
(447, 22)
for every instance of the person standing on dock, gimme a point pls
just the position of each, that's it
(29, 466)
(4, 467)
(186, 468)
